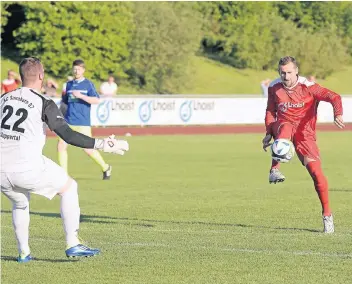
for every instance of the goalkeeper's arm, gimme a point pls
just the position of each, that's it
(54, 119)
(77, 139)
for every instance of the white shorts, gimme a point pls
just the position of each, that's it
(46, 179)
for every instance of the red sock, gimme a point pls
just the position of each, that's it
(274, 164)
(320, 184)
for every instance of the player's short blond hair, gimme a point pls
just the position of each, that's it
(30, 68)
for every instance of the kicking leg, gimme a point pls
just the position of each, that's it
(283, 131)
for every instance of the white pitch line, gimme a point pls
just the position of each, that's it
(307, 253)
(234, 250)
(273, 232)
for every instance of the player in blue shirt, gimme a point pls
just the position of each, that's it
(80, 94)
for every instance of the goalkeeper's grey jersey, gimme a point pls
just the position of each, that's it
(24, 115)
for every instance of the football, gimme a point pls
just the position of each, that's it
(282, 150)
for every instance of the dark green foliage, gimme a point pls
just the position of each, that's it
(152, 43)
(4, 15)
(60, 32)
(166, 37)
(256, 34)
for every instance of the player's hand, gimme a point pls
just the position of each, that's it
(339, 121)
(77, 94)
(266, 141)
(112, 145)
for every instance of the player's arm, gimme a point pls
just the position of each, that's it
(53, 117)
(64, 98)
(270, 118)
(92, 96)
(87, 99)
(323, 94)
(270, 114)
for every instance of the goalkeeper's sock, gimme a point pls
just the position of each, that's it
(20, 221)
(70, 213)
(63, 157)
(320, 184)
(95, 155)
(275, 164)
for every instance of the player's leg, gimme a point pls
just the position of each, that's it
(96, 157)
(58, 182)
(62, 154)
(70, 214)
(308, 153)
(20, 217)
(50, 180)
(281, 130)
(94, 154)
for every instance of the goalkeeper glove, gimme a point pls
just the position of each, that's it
(112, 145)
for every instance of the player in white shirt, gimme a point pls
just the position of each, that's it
(25, 170)
(109, 88)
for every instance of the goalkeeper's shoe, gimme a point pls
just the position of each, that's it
(107, 173)
(81, 251)
(24, 258)
(328, 224)
(276, 176)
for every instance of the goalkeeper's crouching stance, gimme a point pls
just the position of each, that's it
(25, 170)
(70, 211)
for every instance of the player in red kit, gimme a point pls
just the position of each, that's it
(292, 114)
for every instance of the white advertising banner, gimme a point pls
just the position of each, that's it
(128, 111)
(326, 113)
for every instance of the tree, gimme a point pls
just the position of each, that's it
(163, 44)
(4, 14)
(60, 32)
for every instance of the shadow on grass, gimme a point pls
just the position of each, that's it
(11, 258)
(115, 220)
(341, 190)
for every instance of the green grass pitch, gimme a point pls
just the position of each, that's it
(193, 209)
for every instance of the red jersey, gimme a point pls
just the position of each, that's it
(298, 105)
(9, 85)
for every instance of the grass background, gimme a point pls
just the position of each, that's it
(193, 209)
(212, 77)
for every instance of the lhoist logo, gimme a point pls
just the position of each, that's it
(190, 107)
(103, 111)
(145, 111)
(186, 111)
(283, 107)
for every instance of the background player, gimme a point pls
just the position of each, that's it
(80, 94)
(292, 114)
(11, 83)
(25, 170)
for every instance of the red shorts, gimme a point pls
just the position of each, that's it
(305, 146)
